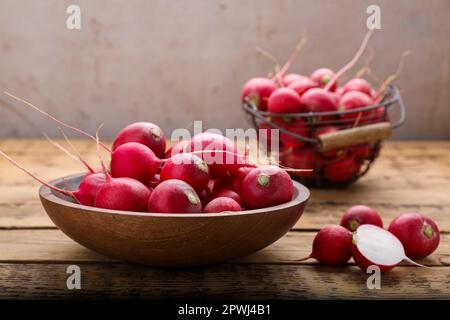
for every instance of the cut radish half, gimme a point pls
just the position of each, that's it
(373, 245)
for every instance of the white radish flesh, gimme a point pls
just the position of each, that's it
(373, 245)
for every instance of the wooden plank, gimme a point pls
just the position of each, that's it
(53, 246)
(320, 213)
(227, 281)
(398, 172)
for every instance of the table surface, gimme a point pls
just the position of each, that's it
(34, 254)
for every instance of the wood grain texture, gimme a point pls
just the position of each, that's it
(227, 281)
(52, 246)
(409, 176)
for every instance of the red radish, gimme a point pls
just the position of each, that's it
(418, 234)
(358, 215)
(266, 186)
(188, 168)
(296, 126)
(331, 153)
(358, 84)
(355, 100)
(318, 100)
(145, 133)
(258, 90)
(377, 115)
(292, 77)
(134, 160)
(174, 196)
(343, 170)
(372, 245)
(124, 194)
(284, 100)
(179, 147)
(237, 178)
(28, 104)
(302, 85)
(322, 76)
(360, 152)
(220, 153)
(89, 188)
(301, 159)
(226, 193)
(331, 246)
(222, 204)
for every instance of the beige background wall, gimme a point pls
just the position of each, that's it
(171, 61)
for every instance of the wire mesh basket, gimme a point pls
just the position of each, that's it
(339, 146)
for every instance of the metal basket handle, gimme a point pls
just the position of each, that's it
(365, 134)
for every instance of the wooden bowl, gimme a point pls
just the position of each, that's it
(171, 240)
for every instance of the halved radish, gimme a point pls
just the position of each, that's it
(372, 245)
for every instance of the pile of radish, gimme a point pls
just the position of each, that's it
(320, 92)
(361, 235)
(205, 174)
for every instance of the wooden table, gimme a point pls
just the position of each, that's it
(34, 255)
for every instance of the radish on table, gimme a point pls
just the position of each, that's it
(331, 246)
(359, 215)
(372, 245)
(418, 234)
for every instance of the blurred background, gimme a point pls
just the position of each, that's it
(171, 62)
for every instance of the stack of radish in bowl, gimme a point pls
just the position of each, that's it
(205, 174)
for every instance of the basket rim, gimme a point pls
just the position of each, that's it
(385, 102)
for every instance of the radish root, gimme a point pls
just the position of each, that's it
(365, 68)
(102, 163)
(77, 158)
(352, 62)
(276, 64)
(298, 48)
(29, 173)
(393, 76)
(54, 119)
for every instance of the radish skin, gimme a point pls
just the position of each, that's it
(266, 186)
(419, 234)
(222, 204)
(359, 215)
(331, 246)
(174, 196)
(146, 133)
(134, 160)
